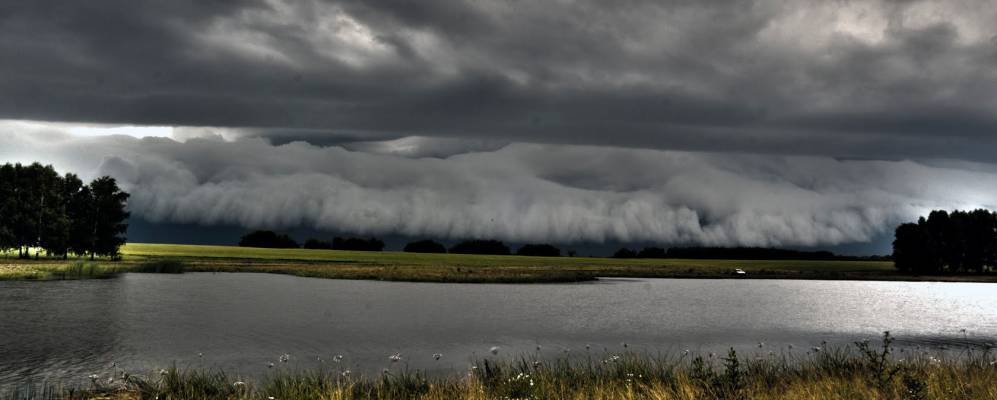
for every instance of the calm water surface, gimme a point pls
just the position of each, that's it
(240, 322)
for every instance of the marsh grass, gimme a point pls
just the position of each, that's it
(865, 371)
(47, 270)
(78, 269)
(461, 268)
(426, 267)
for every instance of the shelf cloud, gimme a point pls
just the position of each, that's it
(517, 192)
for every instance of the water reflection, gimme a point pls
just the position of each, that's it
(57, 329)
(243, 323)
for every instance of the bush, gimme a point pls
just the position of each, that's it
(624, 252)
(268, 239)
(424, 246)
(317, 244)
(652, 252)
(540, 250)
(493, 247)
(357, 244)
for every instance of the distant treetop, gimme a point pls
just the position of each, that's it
(268, 239)
(357, 244)
(424, 246)
(313, 243)
(539, 250)
(493, 247)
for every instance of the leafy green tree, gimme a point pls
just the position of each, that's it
(79, 206)
(357, 244)
(424, 246)
(37, 219)
(8, 206)
(317, 244)
(268, 239)
(494, 247)
(945, 242)
(911, 252)
(41, 209)
(540, 250)
(25, 216)
(109, 217)
(52, 223)
(624, 252)
(652, 252)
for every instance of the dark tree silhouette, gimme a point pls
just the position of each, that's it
(911, 250)
(357, 244)
(947, 243)
(8, 207)
(317, 244)
(109, 217)
(541, 250)
(54, 228)
(624, 252)
(424, 246)
(79, 206)
(750, 253)
(652, 252)
(493, 247)
(268, 239)
(41, 209)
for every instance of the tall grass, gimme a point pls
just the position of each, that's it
(864, 371)
(73, 270)
(84, 269)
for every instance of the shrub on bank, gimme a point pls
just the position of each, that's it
(317, 244)
(357, 244)
(539, 250)
(268, 239)
(492, 247)
(424, 246)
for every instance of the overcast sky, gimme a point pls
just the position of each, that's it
(776, 123)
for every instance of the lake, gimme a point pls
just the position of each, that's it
(63, 331)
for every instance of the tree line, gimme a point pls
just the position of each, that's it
(961, 241)
(274, 240)
(271, 239)
(737, 253)
(59, 213)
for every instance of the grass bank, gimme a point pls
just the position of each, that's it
(400, 266)
(861, 372)
(55, 270)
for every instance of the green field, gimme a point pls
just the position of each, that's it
(444, 267)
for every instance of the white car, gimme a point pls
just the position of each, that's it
(739, 272)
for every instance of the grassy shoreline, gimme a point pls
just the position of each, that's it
(865, 371)
(398, 266)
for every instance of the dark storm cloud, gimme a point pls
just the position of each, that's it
(857, 79)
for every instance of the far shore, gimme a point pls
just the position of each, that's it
(455, 268)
